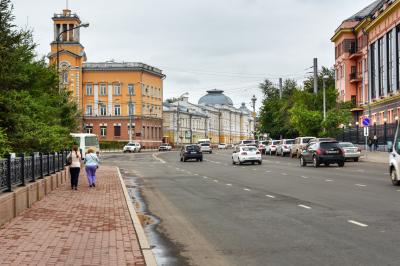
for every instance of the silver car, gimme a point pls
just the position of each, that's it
(350, 151)
(284, 147)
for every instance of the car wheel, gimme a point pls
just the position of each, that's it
(181, 159)
(302, 161)
(341, 164)
(356, 159)
(327, 164)
(233, 161)
(210, 152)
(240, 162)
(201, 159)
(270, 153)
(393, 177)
(315, 162)
(260, 162)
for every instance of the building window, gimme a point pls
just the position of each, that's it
(103, 89)
(89, 110)
(373, 72)
(398, 57)
(381, 65)
(131, 109)
(89, 89)
(117, 109)
(117, 131)
(103, 131)
(103, 110)
(89, 129)
(131, 89)
(65, 76)
(390, 61)
(117, 89)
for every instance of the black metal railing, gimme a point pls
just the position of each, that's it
(22, 169)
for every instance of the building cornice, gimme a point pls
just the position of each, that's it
(362, 24)
(340, 32)
(388, 11)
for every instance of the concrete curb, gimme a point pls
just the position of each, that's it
(148, 254)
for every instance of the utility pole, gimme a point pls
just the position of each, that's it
(280, 88)
(315, 75)
(190, 125)
(130, 117)
(253, 100)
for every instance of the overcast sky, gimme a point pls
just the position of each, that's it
(202, 44)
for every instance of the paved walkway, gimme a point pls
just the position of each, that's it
(375, 156)
(91, 226)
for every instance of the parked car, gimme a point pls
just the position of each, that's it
(284, 147)
(350, 151)
(205, 147)
(244, 154)
(299, 144)
(271, 147)
(221, 146)
(248, 142)
(394, 158)
(132, 147)
(191, 152)
(165, 147)
(327, 152)
(321, 139)
(261, 146)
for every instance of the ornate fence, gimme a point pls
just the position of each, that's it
(355, 134)
(19, 170)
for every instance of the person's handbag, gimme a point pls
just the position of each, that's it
(69, 160)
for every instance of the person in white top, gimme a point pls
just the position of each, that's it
(75, 166)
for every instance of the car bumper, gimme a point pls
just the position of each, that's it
(352, 155)
(250, 159)
(193, 156)
(331, 159)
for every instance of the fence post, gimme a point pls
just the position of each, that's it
(54, 162)
(357, 127)
(41, 165)
(33, 166)
(48, 163)
(63, 159)
(22, 169)
(8, 177)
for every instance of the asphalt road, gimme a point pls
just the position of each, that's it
(277, 213)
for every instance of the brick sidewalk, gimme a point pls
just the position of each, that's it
(91, 226)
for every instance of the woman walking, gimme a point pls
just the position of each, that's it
(75, 167)
(91, 162)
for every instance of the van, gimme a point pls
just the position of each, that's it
(86, 141)
(299, 144)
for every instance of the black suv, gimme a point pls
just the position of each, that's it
(191, 151)
(326, 152)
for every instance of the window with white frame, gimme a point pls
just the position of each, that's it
(117, 109)
(103, 109)
(103, 131)
(89, 89)
(89, 129)
(89, 110)
(103, 89)
(131, 109)
(117, 89)
(131, 89)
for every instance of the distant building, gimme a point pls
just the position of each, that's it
(214, 117)
(108, 94)
(367, 61)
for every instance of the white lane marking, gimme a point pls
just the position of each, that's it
(270, 196)
(329, 180)
(305, 177)
(246, 189)
(196, 174)
(254, 169)
(357, 223)
(177, 169)
(284, 174)
(360, 185)
(215, 180)
(243, 167)
(159, 159)
(268, 171)
(398, 190)
(229, 185)
(234, 166)
(304, 206)
(205, 177)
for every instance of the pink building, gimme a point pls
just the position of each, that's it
(367, 61)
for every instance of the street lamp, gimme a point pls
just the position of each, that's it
(350, 131)
(357, 131)
(324, 78)
(253, 100)
(84, 25)
(177, 115)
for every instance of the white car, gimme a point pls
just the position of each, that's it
(165, 147)
(284, 147)
(244, 154)
(271, 147)
(205, 147)
(132, 147)
(222, 146)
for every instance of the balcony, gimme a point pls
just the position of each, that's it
(354, 78)
(354, 52)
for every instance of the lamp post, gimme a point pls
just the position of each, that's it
(324, 79)
(177, 116)
(357, 131)
(350, 131)
(85, 25)
(342, 126)
(374, 127)
(253, 100)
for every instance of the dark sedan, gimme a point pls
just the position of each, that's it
(326, 152)
(191, 152)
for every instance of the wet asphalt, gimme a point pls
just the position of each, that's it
(277, 213)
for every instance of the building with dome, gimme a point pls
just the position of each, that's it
(213, 117)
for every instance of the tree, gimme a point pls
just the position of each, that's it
(33, 114)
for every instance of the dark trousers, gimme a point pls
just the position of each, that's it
(74, 172)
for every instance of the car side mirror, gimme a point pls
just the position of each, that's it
(390, 146)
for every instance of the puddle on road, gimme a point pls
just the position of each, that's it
(166, 252)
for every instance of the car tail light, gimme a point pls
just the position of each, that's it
(273, 146)
(359, 149)
(258, 152)
(342, 151)
(319, 151)
(244, 153)
(284, 146)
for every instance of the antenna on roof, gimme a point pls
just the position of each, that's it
(66, 3)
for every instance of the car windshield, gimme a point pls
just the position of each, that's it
(329, 145)
(306, 140)
(290, 141)
(275, 142)
(248, 141)
(346, 145)
(192, 148)
(130, 144)
(249, 148)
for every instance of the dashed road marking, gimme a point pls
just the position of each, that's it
(246, 189)
(328, 180)
(215, 180)
(158, 159)
(284, 174)
(305, 177)
(268, 171)
(254, 169)
(270, 196)
(360, 185)
(304, 206)
(205, 177)
(229, 185)
(357, 223)
(196, 174)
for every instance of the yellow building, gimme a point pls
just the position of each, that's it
(110, 95)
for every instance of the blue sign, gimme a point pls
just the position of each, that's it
(366, 121)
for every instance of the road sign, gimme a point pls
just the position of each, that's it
(366, 121)
(366, 131)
